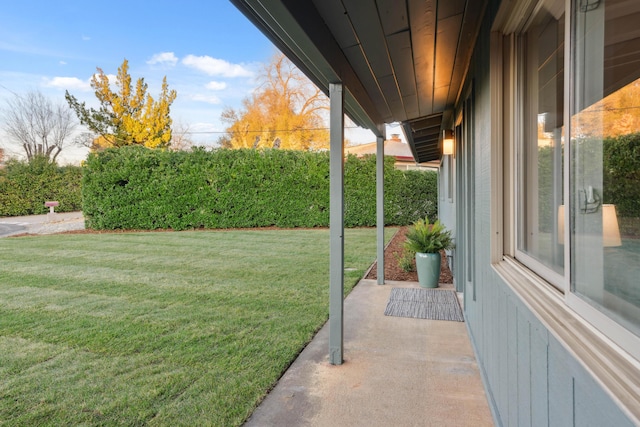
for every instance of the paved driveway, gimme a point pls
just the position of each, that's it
(9, 229)
(40, 224)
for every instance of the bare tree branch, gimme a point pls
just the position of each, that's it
(37, 124)
(180, 138)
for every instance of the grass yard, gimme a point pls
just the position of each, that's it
(168, 328)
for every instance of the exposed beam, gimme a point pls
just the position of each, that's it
(469, 31)
(308, 18)
(300, 33)
(423, 35)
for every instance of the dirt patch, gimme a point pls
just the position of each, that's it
(392, 269)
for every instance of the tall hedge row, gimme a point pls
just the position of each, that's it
(24, 187)
(137, 188)
(621, 173)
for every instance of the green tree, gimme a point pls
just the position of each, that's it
(286, 111)
(128, 116)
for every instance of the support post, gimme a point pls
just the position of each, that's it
(380, 206)
(336, 223)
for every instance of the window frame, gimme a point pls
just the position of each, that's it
(619, 334)
(508, 104)
(520, 61)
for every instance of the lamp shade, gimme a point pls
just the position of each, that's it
(447, 142)
(610, 228)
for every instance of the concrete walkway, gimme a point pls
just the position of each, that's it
(41, 224)
(397, 372)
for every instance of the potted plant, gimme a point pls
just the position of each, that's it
(426, 241)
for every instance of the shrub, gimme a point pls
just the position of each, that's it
(138, 188)
(406, 260)
(621, 173)
(24, 187)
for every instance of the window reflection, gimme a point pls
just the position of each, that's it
(541, 156)
(605, 141)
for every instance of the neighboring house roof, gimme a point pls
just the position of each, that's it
(392, 147)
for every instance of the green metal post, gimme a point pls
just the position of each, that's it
(380, 206)
(336, 223)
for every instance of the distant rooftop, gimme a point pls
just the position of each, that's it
(392, 147)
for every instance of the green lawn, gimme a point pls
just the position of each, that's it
(167, 328)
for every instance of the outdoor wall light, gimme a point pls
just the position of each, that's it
(447, 142)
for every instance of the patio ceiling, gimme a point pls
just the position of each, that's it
(399, 60)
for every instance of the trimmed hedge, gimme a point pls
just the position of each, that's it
(621, 173)
(24, 187)
(137, 188)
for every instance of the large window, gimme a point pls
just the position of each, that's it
(605, 158)
(541, 152)
(578, 155)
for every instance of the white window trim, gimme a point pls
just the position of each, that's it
(606, 349)
(554, 278)
(626, 339)
(518, 94)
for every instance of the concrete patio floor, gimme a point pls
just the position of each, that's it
(397, 372)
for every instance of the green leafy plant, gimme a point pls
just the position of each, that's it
(428, 238)
(406, 260)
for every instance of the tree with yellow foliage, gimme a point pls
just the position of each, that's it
(613, 116)
(129, 115)
(286, 111)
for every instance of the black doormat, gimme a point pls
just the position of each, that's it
(420, 303)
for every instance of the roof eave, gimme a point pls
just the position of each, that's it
(283, 25)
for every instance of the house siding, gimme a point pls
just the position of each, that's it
(530, 377)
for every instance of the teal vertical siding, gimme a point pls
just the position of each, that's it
(561, 382)
(530, 377)
(523, 373)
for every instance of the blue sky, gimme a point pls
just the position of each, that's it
(208, 50)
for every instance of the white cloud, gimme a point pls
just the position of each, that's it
(204, 127)
(213, 85)
(112, 77)
(86, 38)
(62, 63)
(168, 58)
(209, 99)
(216, 67)
(68, 83)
